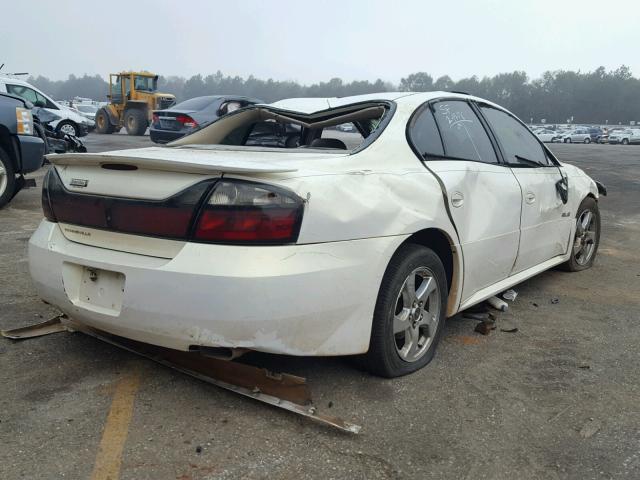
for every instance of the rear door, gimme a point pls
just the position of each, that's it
(483, 196)
(546, 223)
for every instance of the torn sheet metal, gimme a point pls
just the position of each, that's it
(281, 390)
(53, 325)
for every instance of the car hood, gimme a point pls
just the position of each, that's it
(68, 113)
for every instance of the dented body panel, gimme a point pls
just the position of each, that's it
(295, 299)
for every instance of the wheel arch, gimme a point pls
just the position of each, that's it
(112, 114)
(450, 255)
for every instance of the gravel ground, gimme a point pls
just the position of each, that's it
(558, 399)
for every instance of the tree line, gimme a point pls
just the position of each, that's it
(599, 96)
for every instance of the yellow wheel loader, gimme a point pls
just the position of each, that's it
(132, 98)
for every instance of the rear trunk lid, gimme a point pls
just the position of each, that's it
(168, 119)
(145, 201)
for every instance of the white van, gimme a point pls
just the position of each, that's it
(70, 122)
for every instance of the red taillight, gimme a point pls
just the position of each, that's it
(170, 218)
(155, 119)
(244, 213)
(229, 212)
(187, 121)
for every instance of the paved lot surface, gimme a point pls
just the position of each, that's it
(559, 399)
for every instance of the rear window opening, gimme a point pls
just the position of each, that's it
(339, 130)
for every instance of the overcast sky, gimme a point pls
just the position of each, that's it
(310, 41)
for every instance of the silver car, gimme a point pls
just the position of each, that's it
(579, 135)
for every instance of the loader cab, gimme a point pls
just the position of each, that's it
(120, 86)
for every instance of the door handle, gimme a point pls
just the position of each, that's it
(530, 197)
(457, 199)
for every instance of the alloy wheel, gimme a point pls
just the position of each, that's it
(68, 129)
(585, 240)
(416, 315)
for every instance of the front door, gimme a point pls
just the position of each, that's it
(483, 195)
(546, 221)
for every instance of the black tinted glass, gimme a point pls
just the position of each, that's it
(518, 144)
(197, 103)
(424, 134)
(463, 135)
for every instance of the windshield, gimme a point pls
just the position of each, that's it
(147, 84)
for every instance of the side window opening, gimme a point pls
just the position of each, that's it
(463, 135)
(424, 134)
(519, 146)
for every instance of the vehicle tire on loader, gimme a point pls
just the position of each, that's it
(135, 121)
(103, 125)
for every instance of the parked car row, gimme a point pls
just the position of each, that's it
(619, 135)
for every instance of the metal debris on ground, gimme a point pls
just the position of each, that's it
(509, 329)
(590, 428)
(510, 295)
(53, 325)
(485, 327)
(476, 316)
(281, 390)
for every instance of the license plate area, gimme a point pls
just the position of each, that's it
(94, 289)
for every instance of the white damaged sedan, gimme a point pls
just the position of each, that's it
(272, 230)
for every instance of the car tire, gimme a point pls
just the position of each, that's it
(7, 178)
(587, 140)
(103, 124)
(586, 238)
(625, 141)
(394, 350)
(567, 140)
(135, 121)
(67, 127)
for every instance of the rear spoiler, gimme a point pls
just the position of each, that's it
(187, 160)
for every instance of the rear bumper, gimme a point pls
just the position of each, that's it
(165, 136)
(31, 153)
(297, 299)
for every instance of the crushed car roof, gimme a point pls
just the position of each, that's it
(318, 104)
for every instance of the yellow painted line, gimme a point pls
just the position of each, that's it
(109, 458)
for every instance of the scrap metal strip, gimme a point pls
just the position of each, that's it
(291, 383)
(53, 325)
